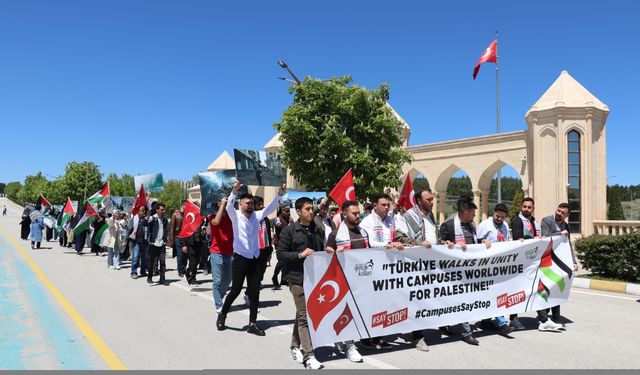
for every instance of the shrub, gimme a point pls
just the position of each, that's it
(615, 257)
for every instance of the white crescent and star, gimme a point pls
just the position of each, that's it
(347, 194)
(193, 217)
(334, 286)
(345, 318)
(412, 198)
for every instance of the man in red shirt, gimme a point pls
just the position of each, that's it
(221, 252)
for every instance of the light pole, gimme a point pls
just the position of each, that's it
(284, 65)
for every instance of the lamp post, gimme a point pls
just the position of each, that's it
(284, 65)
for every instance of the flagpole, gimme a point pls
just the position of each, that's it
(498, 120)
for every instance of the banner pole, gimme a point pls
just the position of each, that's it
(353, 298)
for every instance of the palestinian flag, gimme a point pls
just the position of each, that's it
(99, 196)
(543, 291)
(44, 202)
(101, 234)
(554, 272)
(90, 215)
(67, 213)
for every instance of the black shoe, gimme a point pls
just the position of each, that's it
(163, 282)
(143, 274)
(487, 325)
(255, 330)
(149, 281)
(505, 330)
(367, 344)
(275, 282)
(445, 331)
(382, 344)
(180, 273)
(220, 322)
(470, 340)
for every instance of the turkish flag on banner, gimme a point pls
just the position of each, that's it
(192, 220)
(327, 294)
(141, 201)
(343, 320)
(489, 55)
(344, 190)
(407, 199)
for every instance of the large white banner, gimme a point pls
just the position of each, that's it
(364, 293)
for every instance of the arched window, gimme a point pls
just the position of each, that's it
(573, 185)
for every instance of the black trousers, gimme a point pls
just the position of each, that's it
(243, 268)
(543, 315)
(263, 259)
(156, 254)
(193, 256)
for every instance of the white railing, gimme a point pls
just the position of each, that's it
(615, 227)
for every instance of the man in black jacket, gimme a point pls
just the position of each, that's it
(298, 241)
(158, 234)
(523, 227)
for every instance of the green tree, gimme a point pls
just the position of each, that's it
(34, 186)
(510, 186)
(77, 176)
(420, 184)
(459, 186)
(56, 193)
(12, 190)
(172, 195)
(2, 187)
(614, 211)
(517, 203)
(333, 126)
(122, 186)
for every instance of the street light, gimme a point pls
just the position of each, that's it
(284, 65)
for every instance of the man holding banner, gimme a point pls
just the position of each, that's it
(297, 242)
(461, 231)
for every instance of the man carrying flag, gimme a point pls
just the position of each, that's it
(555, 225)
(344, 189)
(82, 225)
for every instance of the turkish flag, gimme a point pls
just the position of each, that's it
(407, 199)
(141, 201)
(192, 220)
(343, 320)
(327, 294)
(344, 190)
(489, 55)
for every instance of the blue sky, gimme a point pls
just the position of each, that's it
(166, 86)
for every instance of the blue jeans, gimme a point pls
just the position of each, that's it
(221, 276)
(113, 257)
(182, 257)
(139, 257)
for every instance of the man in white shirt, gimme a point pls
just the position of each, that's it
(380, 226)
(495, 229)
(246, 251)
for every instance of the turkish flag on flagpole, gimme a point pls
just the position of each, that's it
(192, 220)
(343, 320)
(327, 293)
(489, 55)
(141, 201)
(344, 189)
(407, 199)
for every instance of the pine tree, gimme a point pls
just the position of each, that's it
(517, 203)
(614, 211)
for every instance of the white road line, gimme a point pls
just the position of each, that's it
(603, 295)
(286, 329)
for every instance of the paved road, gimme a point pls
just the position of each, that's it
(107, 320)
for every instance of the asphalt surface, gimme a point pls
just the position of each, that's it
(173, 326)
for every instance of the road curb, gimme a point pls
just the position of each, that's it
(607, 286)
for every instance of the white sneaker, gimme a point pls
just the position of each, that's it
(313, 364)
(117, 267)
(297, 356)
(246, 300)
(353, 354)
(112, 267)
(549, 326)
(218, 309)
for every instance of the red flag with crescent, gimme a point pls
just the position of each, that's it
(192, 220)
(327, 293)
(343, 320)
(407, 199)
(344, 189)
(141, 201)
(489, 55)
